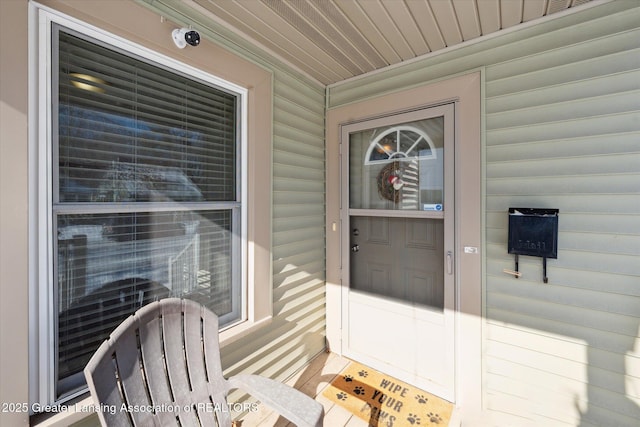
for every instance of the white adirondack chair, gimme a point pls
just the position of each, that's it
(163, 365)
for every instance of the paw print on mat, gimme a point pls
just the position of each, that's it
(421, 399)
(434, 418)
(363, 373)
(348, 378)
(413, 419)
(342, 395)
(358, 390)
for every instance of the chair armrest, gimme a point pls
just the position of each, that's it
(292, 404)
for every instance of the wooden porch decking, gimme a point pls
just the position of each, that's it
(312, 381)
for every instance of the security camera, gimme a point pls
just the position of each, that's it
(184, 36)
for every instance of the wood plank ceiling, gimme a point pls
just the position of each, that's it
(334, 40)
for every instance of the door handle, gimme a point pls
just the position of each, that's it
(355, 248)
(449, 262)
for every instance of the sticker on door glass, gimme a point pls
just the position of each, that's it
(432, 207)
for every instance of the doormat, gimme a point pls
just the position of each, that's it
(385, 401)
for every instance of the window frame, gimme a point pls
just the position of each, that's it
(255, 88)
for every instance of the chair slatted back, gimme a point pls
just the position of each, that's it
(165, 360)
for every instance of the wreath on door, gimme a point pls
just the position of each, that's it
(389, 182)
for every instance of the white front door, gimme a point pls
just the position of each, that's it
(398, 242)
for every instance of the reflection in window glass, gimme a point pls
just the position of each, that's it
(109, 265)
(145, 203)
(398, 167)
(143, 127)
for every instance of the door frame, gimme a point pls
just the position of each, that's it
(445, 319)
(465, 92)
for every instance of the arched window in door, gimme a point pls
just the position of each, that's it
(400, 150)
(400, 143)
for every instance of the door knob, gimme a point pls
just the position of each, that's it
(355, 248)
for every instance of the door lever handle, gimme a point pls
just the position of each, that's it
(355, 248)
(449, 262)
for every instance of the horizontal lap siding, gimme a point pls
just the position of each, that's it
(297, 331)
(298, 200)
(562, 130)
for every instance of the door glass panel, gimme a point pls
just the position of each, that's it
(398, 258)
(398, 167)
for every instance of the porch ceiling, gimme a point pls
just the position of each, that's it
(334, 40)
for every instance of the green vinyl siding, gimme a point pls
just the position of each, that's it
(562, 130)
(297, 331)
(298, 203)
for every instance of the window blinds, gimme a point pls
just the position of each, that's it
(132, 131)
(146, 204)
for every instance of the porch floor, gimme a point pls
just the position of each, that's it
(313, 380)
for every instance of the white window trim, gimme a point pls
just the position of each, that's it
(256, 310)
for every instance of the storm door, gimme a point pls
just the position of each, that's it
(398, 246)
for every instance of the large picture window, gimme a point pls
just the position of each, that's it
(145, 194)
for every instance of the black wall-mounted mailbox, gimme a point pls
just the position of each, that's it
(533, 232)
